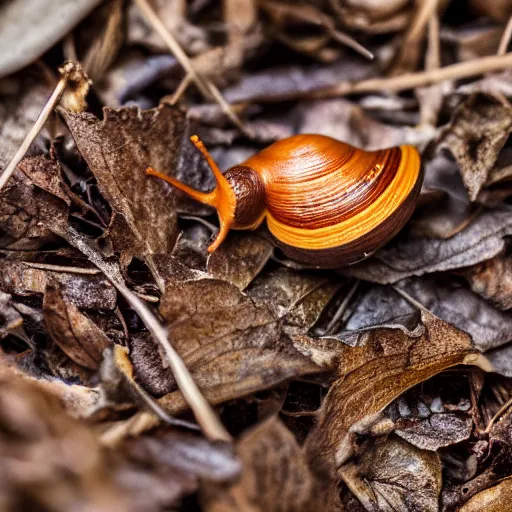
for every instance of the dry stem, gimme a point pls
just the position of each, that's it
(203, 412)
(34, 131)
(505, 38)
(420, 79)
(207, 87)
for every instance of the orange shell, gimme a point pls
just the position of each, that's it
(326, 203)
(322, 193)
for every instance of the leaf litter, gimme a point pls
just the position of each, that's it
(157, 377)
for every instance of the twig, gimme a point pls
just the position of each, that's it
(180, 90)
(343, 307)
(423, 14)
(34, 131)
(71, 91)
(411, 300)
(62, 268)
(497, 416)
(172, 43)
(207, 87)
(345, 39)
(431, 98)
(203, 412)
(505, 38)
(124, 365)
(420, 79)
(227, 109)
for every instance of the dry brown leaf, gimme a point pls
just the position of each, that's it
(391, 474)
(478, 131)
(434, 414)
(168, 465)
(275, 477)
(411, 256)
(23, 212)
(80, 338)
(240, 259)
(45, 172)
(231, 345)
(118, 150)
(384, 364)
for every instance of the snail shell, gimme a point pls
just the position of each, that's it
(326, 203)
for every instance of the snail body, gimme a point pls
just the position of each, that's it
(325, 202)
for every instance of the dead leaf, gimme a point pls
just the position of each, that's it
(434, 414)
(84, 291)
(23, 210)
(275, 477)
(278, 84)
(384, 364)
(446, 209)
(477, 133)
(231, 345)
(240, 259)
(381, 306)
(168, 465)
(348, 122)
(392, 475)
(118, 150)
(81, 339)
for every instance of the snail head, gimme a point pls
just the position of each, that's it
(222, 197)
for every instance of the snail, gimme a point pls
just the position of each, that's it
(326, 203)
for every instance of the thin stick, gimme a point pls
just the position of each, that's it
(497, 416)
(420, 79)
(153, 19)
(203, 412)
(423, 14)
(62, 268)
(207, 87)
(505, 38)
(180, 91)
(124, 365)
(34, 131)
(411, 300)
(345, 39)
(157, 410)
(343, 307)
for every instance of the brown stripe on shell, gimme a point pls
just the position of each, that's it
(249, 192)
(363, 246)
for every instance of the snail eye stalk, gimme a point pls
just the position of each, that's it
(222, 197)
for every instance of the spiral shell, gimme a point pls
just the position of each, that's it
(326, 203)
(330, 204)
